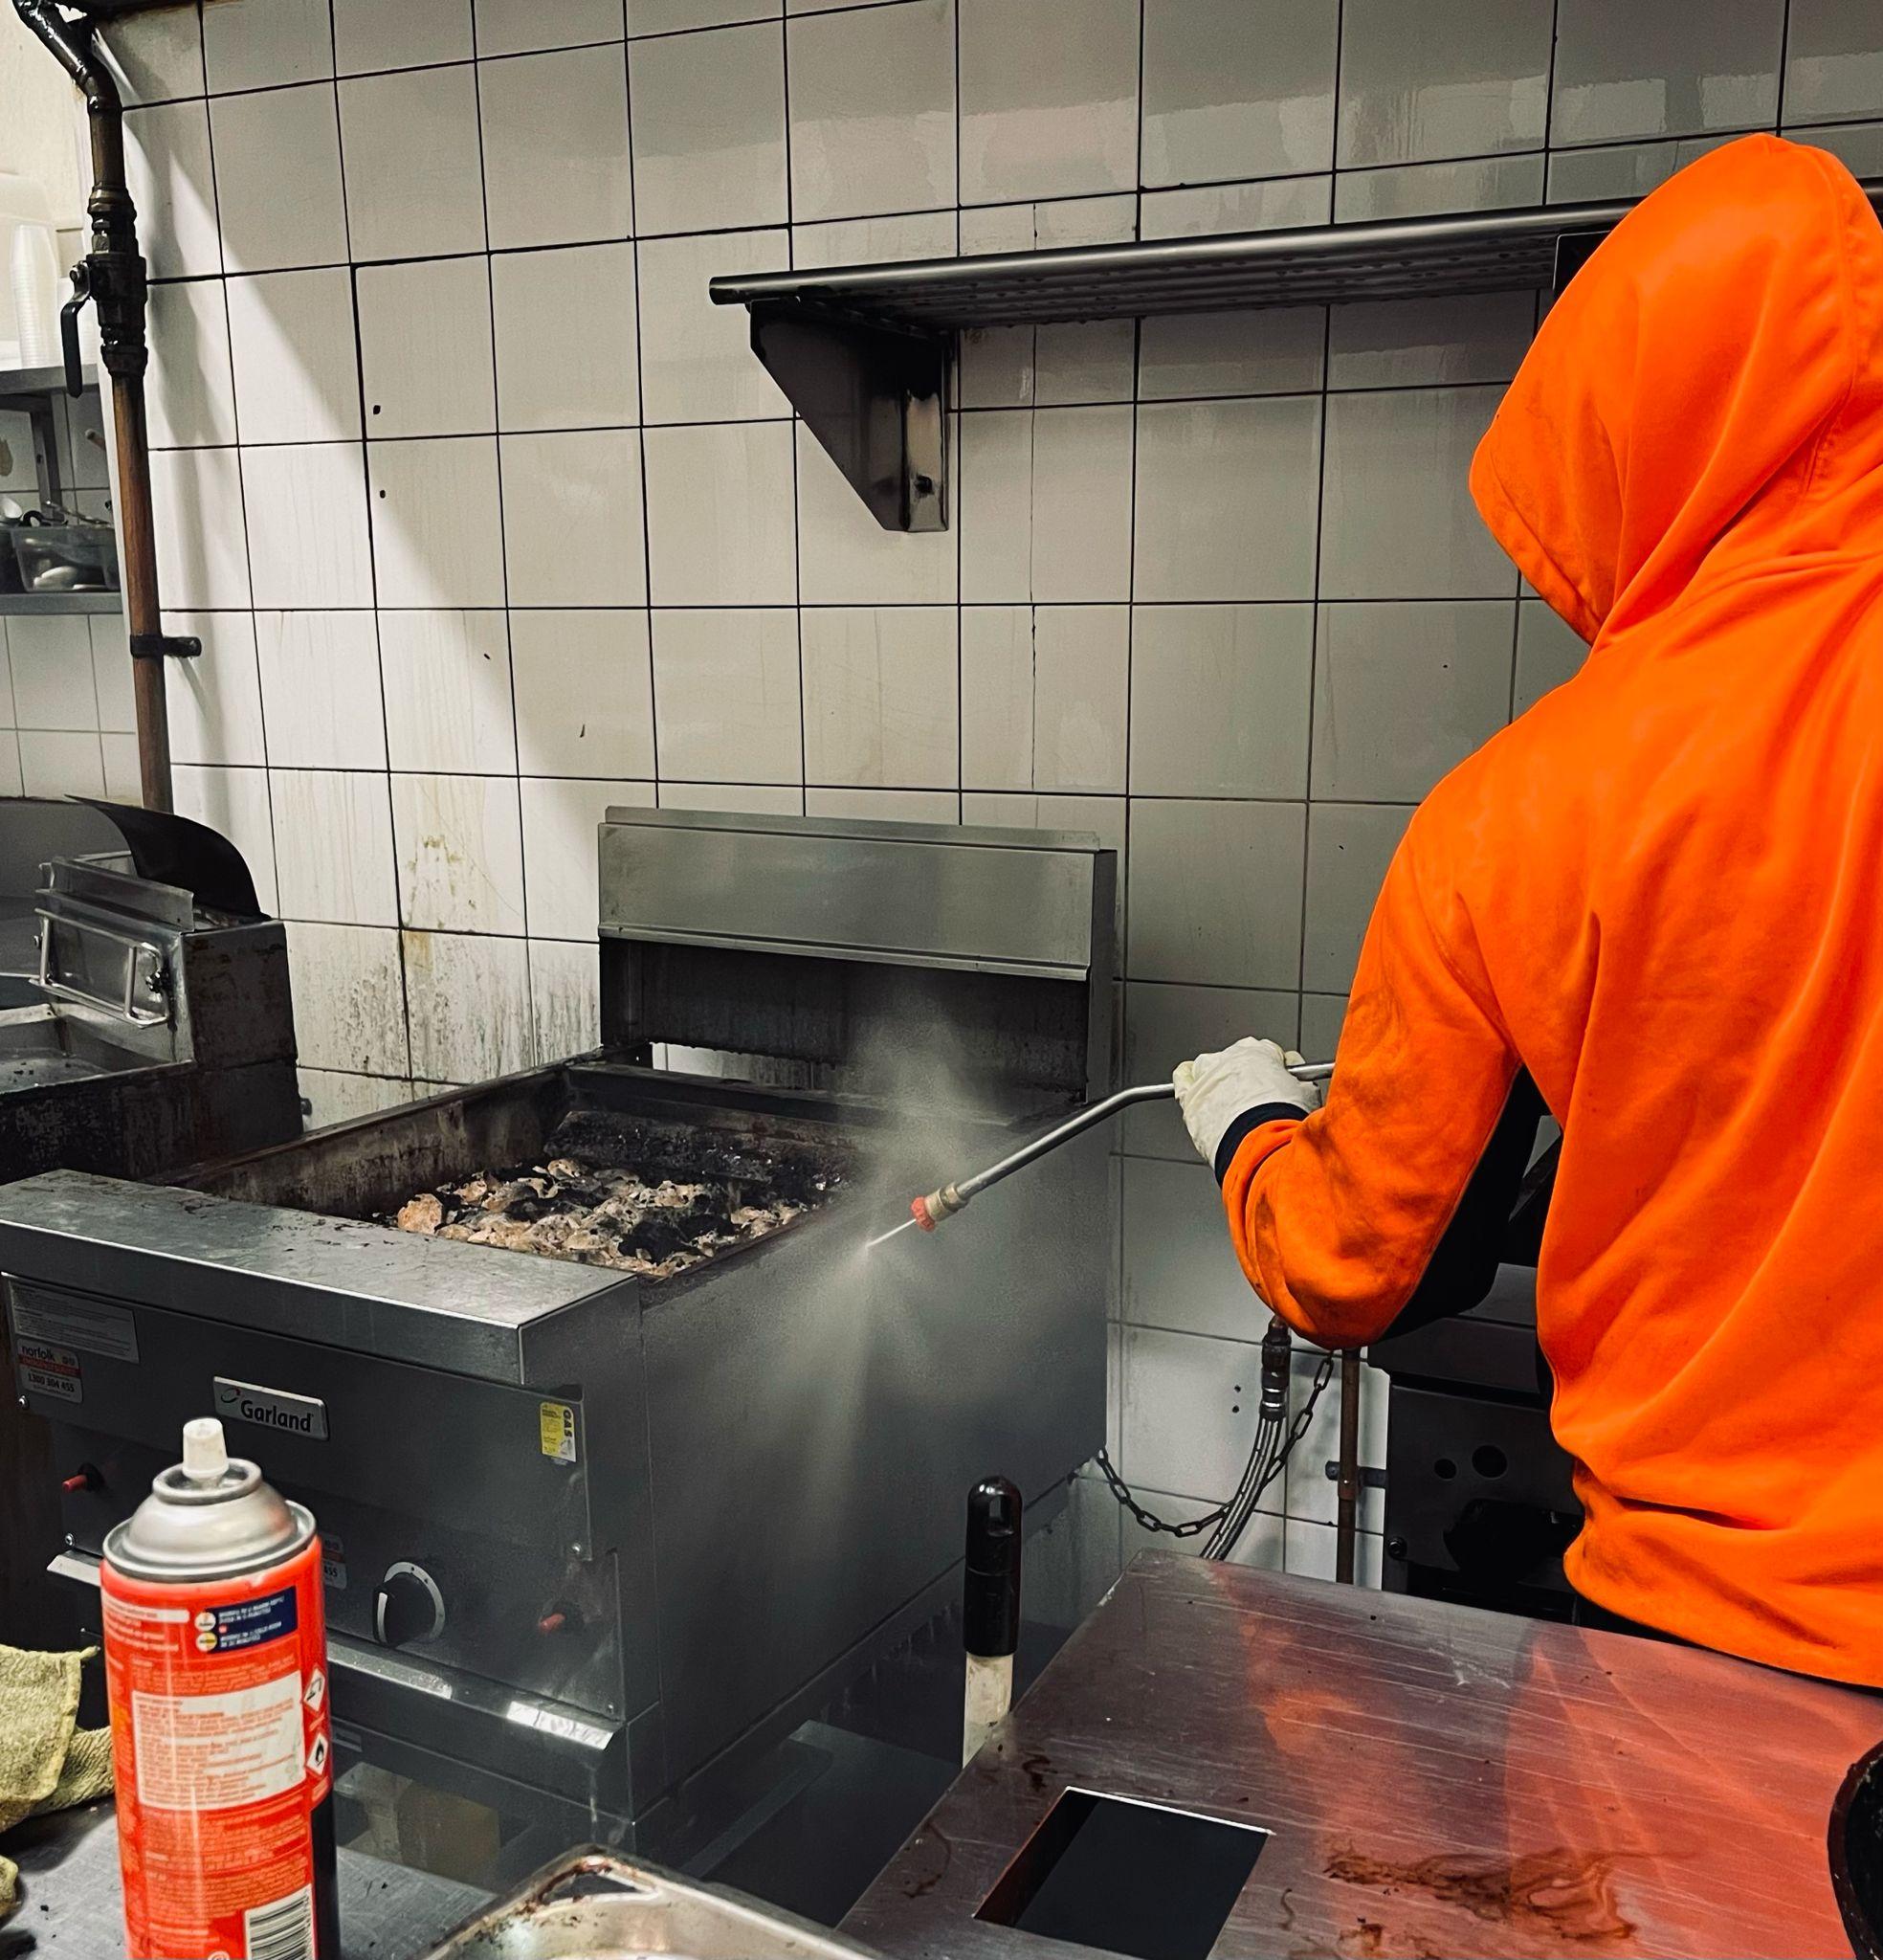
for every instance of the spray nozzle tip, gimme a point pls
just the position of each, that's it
(204, 1453)
(918, 1210)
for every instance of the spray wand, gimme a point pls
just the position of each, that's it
(927, 1213)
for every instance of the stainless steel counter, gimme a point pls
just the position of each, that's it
(72, 1907)
(1437, 1780)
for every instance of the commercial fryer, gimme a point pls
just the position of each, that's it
(594, 1539)
(147, 1021)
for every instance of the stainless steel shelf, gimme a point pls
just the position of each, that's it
(1483, 252)
(24, 384)
(863, 352)
(42, 605)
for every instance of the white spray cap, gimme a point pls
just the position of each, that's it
(204, 1453)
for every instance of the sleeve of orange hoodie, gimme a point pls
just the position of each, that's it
(1394, 1194)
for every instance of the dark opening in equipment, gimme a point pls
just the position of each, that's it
(1126, 1878)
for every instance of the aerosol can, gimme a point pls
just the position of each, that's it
(216, 1664)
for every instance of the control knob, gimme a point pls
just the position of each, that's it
(407, 1607)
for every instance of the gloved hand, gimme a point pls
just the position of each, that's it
(1215, 1090)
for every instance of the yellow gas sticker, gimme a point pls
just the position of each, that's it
(556, 1429)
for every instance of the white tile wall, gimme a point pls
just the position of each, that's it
(880, 693)
(1048, 97)
(709, 142)
(291, 338)
(468, 1002)
(726, 694)
(572, 528)
(215, 700)
(560, 821)
(279, 192)
(565, 986)
(425, 361)
(236, 802)
(201, 534)
(505, 26)
(158, 57)
(489, 519)
(414, 171)
(306, 506)
(584, 693)
(461, 855)
(873, 111)
(190, 390)
(449, 708)
(697, 362)
(554, 370)
(560, 179)
(368, 35)
(320, 690)
(437, 523)
(172, 183)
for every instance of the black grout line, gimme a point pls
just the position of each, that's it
(1320, 537)
(796, 520)
(372, 573)
(503, 528)
(1047, 797)
(242, 504)
(640, 404)
(1784, 55)
(1506, 598)
(1122, 909)
(1549, 88)
(1383, 387)
(951, 460)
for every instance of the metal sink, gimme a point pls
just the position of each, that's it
(591, 1905)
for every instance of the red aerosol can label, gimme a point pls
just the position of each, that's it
(218, 1692)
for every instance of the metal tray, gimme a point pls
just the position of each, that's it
(592, 1903)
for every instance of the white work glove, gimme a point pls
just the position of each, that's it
(1214, 1090)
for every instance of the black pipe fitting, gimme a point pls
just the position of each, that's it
(1278, 1351)
(112, 275)
(991, 1591)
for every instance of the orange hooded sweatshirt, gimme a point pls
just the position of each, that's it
(1660, 893)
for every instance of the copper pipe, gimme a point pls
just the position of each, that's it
(114, 273)
(1347, 1514)
(143, 612)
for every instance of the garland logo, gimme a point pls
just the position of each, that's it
(269, 1408)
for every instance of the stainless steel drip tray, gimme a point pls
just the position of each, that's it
(40, 1045)
(595, 1904)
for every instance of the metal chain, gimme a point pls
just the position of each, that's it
(1122, 1490)
(1291, 1436)
(1298, 1428)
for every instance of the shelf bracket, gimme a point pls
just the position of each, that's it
(165, 646)
(875, 397)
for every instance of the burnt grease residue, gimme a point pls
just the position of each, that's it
(645, 1199)
(1367, 1940)
(920, 1888)
(1555, 1894)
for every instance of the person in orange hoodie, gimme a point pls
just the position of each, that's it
(1653, 905)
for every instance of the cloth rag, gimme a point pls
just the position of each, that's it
(46, 1762)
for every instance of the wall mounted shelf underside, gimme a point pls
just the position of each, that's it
(42, 605)
(863, 352)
